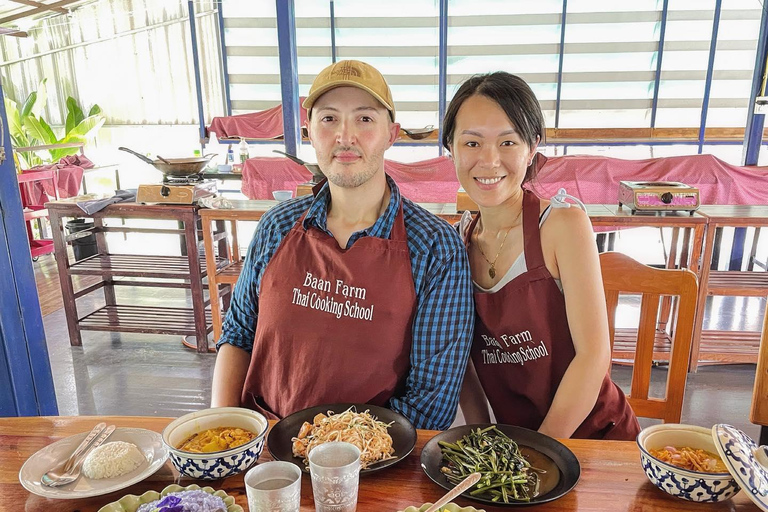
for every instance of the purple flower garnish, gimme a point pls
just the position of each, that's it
(170, 504)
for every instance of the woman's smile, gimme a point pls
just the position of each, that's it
(488, 183)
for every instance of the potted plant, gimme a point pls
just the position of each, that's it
(28, 128)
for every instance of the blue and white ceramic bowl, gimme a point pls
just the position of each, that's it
(682, 483)
(213, 466)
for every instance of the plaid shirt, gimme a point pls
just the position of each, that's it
(442, 325)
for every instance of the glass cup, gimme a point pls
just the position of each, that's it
(335, 471)
(274, 487)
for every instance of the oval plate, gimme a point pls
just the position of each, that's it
(566, 461)
(402, 431)
(149, 443)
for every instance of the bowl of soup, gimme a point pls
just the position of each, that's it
(215, 443)
(683, 461)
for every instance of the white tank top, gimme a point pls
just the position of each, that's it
(519, 266)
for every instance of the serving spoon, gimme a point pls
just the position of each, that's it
(63, 476)
(460, 488)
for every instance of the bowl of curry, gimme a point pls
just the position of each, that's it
(215, 443)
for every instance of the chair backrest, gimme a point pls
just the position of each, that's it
(622, 274)
(759, 413)
(32, 191)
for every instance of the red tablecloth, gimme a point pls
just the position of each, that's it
(429, 181)
(267, 124)
(593, 179)
(69, 173)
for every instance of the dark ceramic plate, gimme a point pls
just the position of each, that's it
(402, 431)
(566, 462)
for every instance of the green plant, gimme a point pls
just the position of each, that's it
(28, 128)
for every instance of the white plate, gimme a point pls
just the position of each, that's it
(149, 443)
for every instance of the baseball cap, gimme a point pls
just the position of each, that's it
(351, 73)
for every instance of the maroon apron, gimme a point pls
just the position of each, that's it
(522, 347)
(334, 324)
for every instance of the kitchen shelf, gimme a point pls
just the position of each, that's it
(138, 265)
(187, 271)
(142, 319)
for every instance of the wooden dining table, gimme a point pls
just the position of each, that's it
(612, 479)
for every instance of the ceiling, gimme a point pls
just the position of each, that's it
(16, 15)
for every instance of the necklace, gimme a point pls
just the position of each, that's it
(492, 268)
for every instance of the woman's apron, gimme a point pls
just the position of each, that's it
(522, 347)
(334, 324)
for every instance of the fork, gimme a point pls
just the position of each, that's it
(55, 479)
(83, 445)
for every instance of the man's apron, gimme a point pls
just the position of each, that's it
(522, 347)
(334, 325)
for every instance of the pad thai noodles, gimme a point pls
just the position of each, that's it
(361, 429)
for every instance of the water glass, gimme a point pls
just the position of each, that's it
(274, 487)
(335, 471)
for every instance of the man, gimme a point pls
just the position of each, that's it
(354, 294)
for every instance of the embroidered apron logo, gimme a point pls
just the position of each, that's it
(331, 296)
(518, 349)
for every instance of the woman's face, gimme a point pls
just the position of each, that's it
(490, 156)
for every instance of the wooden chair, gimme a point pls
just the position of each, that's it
(759, 413)
(622, 274)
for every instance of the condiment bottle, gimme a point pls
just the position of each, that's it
(243, 150)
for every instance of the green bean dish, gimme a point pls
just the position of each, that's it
(507, 476)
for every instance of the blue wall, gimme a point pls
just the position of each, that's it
(26, 384)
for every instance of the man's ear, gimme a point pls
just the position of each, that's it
(394, 132)
(308, 126)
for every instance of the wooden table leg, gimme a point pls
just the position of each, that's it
(213, 285)
(196, 281)
(235, 243)
(753, 252)
(702, 301)
(101, 246)
(696, 249)
(65, 280)
(666, 301)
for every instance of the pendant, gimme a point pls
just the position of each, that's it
(492, 272)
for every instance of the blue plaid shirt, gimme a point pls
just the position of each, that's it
(442, 326)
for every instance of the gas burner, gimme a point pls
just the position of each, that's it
(183, 180)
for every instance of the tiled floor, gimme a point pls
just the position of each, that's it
(143, 374)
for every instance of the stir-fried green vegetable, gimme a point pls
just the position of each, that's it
(507, 475)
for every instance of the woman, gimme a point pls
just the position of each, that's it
(541, 351)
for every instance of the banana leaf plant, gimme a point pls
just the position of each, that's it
(27, 128)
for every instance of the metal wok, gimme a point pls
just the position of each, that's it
(177, 167)
(317, 174)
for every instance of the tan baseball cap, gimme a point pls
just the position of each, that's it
(351, 73)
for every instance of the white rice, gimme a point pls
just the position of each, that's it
(112, 459)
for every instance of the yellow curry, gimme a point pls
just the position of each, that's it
(216, 440)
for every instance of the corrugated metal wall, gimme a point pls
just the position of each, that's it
(132, 57)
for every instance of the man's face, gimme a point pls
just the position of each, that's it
(350, 130)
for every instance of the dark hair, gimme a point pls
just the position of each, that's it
(515, 98)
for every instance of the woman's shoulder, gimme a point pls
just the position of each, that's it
(564, 228)
(569, 216)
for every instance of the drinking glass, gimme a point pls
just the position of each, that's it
(335, 471)
(274, 487)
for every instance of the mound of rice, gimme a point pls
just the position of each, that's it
(112, 459)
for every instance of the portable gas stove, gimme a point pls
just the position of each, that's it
(658, 196)
(176, 190)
